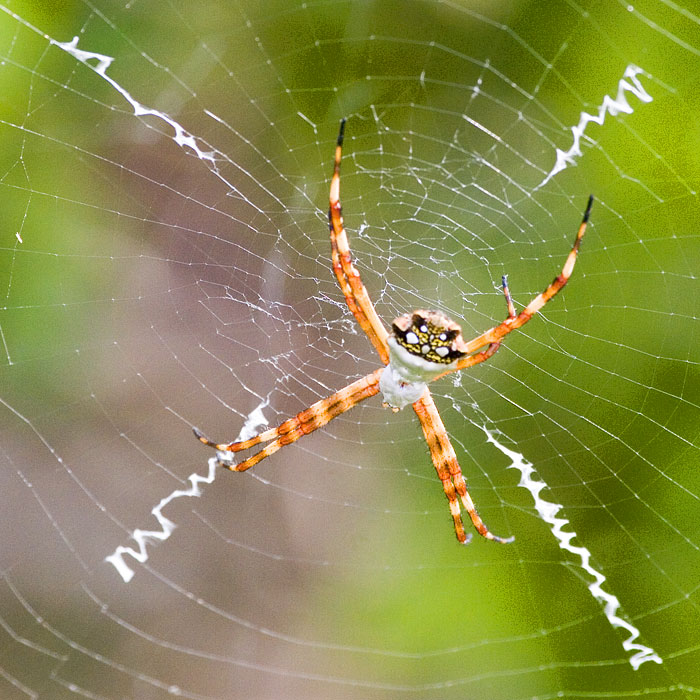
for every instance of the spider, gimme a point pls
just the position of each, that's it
(421, 347)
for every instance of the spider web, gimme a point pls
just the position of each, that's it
(166, 263)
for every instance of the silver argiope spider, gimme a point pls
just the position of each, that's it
(422, 346)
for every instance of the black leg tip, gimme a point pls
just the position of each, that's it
(504, 281)
(341, 131)
(587, 213)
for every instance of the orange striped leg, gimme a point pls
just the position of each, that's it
(353, 289)
(512, 322)
(509, 299)
(436, 452)
(447, 467)
(491, 349)
(314, 417)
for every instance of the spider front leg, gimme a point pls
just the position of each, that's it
(447, 467)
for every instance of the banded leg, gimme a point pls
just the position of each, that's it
(314, 417)
(447, 467)
(491, 349)
(353, 289)
(497, 333)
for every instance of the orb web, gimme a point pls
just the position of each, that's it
(165, 173)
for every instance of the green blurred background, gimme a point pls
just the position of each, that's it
(151, 285)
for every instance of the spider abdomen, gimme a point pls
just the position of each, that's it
(422, 346)
(429, 335)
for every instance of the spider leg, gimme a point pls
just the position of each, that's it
(509, 298)
(513, 321)
(491, 349)
(315, 416)
(447, 467)
(448, 486)
(351, 285)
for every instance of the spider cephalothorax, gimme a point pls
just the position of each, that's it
(423, 346)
